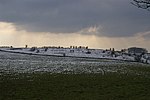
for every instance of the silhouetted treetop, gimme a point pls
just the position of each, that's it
(144, 4)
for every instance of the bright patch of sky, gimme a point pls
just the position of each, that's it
(9, 35)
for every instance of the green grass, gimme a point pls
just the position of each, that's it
(46, 86)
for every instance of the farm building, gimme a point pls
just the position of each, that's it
(137, 51)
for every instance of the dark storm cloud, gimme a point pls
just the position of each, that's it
(116, 17)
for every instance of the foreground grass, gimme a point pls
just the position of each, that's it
(111, 86)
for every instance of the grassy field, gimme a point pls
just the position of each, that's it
(24, 77)
(46, 86)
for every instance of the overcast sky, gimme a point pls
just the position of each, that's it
(70, 19)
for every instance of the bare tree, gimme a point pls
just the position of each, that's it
(144, 4)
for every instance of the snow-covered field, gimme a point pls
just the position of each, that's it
(22, 63)
(69, 52)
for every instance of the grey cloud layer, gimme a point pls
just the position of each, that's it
(116, 17)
